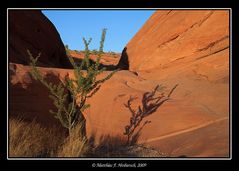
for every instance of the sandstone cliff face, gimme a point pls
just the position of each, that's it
(30, 29)
(185, 47)
(173, 35)
(106, 58)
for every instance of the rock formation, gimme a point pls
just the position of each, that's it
(30, 29)
(173, 35)
(185, 47)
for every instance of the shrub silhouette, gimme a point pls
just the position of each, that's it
(70, 95)
(150, 104)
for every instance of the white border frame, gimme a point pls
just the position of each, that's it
(142, 158)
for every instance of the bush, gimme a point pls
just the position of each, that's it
(84, 86)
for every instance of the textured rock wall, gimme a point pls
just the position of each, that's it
(171, 35)
(30, 29)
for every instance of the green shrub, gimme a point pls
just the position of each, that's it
(84, 86)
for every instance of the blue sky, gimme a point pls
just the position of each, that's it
(121, 26)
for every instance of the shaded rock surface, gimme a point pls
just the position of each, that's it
(30, 29)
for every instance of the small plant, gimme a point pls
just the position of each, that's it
(150, 104)
(70, 95)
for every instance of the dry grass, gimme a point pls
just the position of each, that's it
(75, 145)
(33, 140)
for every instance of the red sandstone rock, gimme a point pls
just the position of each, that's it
(172, 35)
(30, 29)
(189, 48)
(106, 58)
